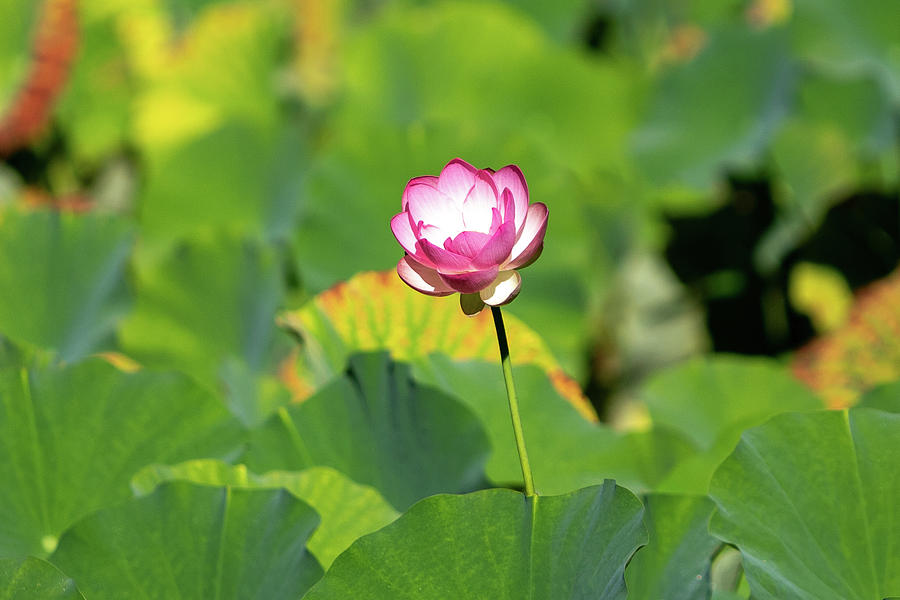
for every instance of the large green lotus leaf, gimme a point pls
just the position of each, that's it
(458, 79)
(381, 428)
(63, 279)
(565, 450)
(496, 544)
(71, 438)
(703, 118)
(711, 401)
(861, 37)
(190, 541)
(207, 307)
(31, 578)
(675, 563)
(706, 398)
(348, 510)
(811, 502)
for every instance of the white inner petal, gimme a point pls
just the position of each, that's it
(503, 289)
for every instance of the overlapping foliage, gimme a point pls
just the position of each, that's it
(212, 385)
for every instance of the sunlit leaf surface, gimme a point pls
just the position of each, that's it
(496, 544)
(566, 451)
(381, 428)
(711, 401)
(34, 579)
(194, 541)
(348, 510)
(71, 438)
(811, 502)
(675, 562)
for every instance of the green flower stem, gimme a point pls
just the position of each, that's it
(513, 401)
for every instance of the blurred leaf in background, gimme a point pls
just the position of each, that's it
(208, 308)
(62, 278)
(703, 119)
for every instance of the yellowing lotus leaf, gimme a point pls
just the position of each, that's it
(377, 311)
(863, 353)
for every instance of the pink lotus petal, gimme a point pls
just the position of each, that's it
(431, 207)
(444, 260)
(498, 248)
(402, 229)
(433, 234)
(468, 243)
(477, 210)
(429, 180)
(503, 289)
(421, 278)
(530, 242)
(456, 179)
(471, 282)
(511, 178)
(508, 207)
(496, 221)
(460, 228)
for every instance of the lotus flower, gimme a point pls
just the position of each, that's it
(468, 231)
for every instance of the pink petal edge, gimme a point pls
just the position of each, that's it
(510, 177)
(531, 238)
(478, 207)
(456, 179)
(444, 260)
(429, 180)
(402, 230)
(421, 278)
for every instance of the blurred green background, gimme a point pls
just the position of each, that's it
(721, 175)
